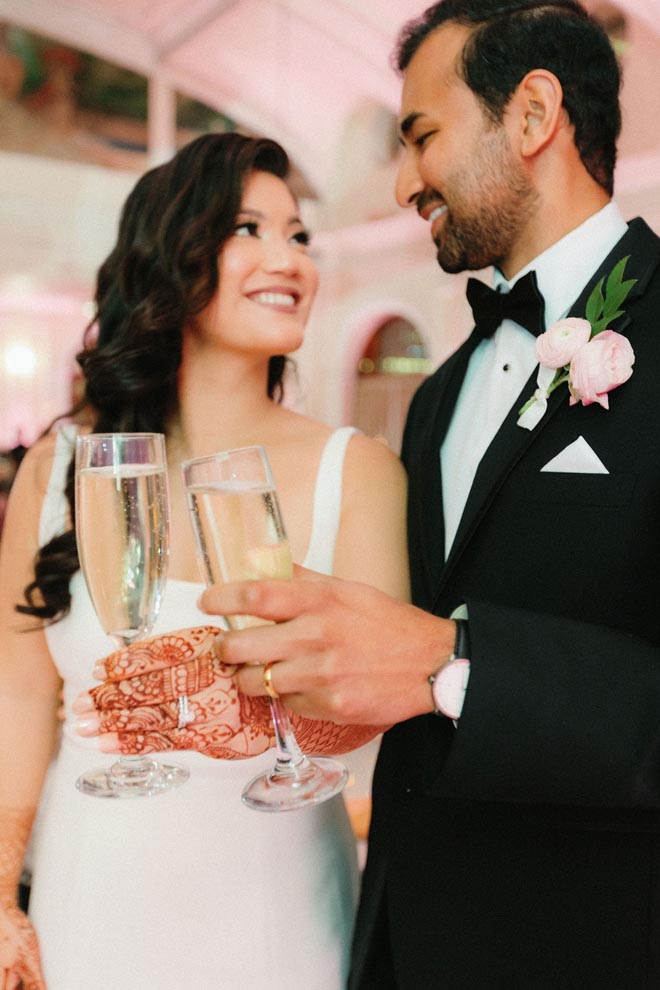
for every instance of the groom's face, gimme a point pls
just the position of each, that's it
(458, 168)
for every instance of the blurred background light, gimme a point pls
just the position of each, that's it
(20, 361)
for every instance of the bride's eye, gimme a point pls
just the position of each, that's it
(246, 229)
(302, 237)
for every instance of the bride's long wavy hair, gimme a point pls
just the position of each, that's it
(162, 270)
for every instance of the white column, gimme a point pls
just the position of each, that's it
(161, 120)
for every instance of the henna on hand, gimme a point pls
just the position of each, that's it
(15, 828)
(159, 652)
(241, 731)
(137, 705)
(19, 947)
(331, 739)
(161, 668)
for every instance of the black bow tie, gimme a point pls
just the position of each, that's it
(524, 304)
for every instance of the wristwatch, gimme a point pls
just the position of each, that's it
(448, 684)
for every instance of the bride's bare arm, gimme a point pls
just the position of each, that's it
(371, 543)
(29, 692)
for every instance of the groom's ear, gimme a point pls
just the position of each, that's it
(537, 111)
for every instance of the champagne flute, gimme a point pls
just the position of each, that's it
(122, 531)
(240, 535)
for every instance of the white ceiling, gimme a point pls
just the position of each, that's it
(297, 70)
(293, 69)
(306, 72)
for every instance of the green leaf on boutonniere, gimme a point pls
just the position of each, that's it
(603, 307)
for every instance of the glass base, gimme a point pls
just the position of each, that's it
(128, 779)
(286, 788)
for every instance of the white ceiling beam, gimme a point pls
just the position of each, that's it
(161, 120)
(187, 27)
(337, 23)
(309, 156)
(383, 18)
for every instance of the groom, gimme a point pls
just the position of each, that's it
(515, 840)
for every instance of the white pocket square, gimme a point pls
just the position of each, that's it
(577, 458)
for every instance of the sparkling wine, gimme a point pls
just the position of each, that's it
(240, 535)
(122, 529)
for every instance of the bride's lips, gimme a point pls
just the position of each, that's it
(283, 300)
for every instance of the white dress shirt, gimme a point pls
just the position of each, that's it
(500, 366)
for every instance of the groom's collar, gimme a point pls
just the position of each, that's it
(563, 269)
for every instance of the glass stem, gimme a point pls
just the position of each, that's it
(289, 755)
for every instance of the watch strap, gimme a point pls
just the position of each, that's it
(462, 641)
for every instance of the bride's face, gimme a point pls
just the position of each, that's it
(267, 280)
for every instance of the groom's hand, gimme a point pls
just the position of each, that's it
(339, 651)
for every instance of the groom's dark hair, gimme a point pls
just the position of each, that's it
(512, 37)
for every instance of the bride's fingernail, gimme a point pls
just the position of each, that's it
(87, 726)
(82, 704)
(100, 672)
(108, 742)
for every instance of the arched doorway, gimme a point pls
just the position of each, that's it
(391, 367)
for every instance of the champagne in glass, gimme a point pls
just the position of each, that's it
(122, 532)
(240, 535)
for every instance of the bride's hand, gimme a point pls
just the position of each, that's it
(136, 709)
(20, 962)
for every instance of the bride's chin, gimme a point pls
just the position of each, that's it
(286, 343)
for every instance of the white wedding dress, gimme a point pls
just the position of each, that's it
(189, 888)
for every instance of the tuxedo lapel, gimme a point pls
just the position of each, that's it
(504, 452)
(511, 441)
(425, 471)
(643, 246)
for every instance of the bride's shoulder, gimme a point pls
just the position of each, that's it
(367, 459)
(370, 458)
(29, 489)
(37, 463)
(296, 428)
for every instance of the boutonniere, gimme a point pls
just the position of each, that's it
(587, 355)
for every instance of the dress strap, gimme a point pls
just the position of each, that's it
(54, 517)
(328, 492)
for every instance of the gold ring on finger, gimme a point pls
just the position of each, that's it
(267, 676)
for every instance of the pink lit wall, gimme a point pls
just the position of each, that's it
(39, 337)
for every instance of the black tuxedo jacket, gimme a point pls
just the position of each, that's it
(521, 851)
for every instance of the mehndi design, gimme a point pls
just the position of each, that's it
(138, 704)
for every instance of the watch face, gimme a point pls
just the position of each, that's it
(449, 687)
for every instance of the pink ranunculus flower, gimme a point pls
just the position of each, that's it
(555, 348)
(599, 366)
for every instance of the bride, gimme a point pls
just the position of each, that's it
(209, 285)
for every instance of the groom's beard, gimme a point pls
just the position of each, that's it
(489, 202)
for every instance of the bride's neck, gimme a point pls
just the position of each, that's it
(222, 403)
